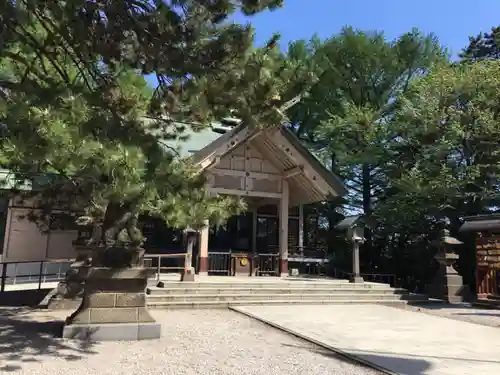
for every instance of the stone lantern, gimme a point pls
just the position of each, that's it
(355, 233)
(447, 284)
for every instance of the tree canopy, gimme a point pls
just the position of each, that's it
(77, 110)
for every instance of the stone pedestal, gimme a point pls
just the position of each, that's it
(448, 284)
(188, 274)
(113, 307)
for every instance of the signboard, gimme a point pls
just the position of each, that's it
(488, 252)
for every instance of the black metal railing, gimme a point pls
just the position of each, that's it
(219, 263)
(36, 272)
(268, 264)
(307, 253)
(384, 278)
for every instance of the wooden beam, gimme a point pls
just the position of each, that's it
(226, 147)
(315, 178)
(245, 193)
(293, 171)
(256, 175)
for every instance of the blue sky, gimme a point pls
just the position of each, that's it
(452, 21)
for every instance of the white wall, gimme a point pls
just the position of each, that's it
(25, 242)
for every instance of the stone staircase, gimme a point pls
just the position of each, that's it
(488, 302)
(175, 294)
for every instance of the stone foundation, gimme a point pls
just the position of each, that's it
(113, 307)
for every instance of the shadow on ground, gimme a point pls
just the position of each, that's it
(403, 366)
(23, 339)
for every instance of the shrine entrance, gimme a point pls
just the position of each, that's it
(246, 245)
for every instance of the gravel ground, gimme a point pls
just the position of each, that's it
(462, 312)
(217, 342)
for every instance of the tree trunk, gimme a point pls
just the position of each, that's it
(367, 210)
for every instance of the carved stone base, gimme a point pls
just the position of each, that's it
(113, 307)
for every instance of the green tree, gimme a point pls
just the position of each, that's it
(484, 46)
(74, 104)
(447, 134)
(366, 73)
(348, 109)
(448, 126)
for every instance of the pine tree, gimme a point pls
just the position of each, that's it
(348, 109)
(484, 46)
(75, 101)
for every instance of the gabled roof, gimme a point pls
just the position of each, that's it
(241, 133)
(327, 174)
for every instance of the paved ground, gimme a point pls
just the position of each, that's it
(403, 341)
(462, 312)
(198, 342)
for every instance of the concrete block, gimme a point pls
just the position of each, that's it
(101, 300)
(130, 300)
(187, 276)
(149, 331)
(114, 315)
(82, 317)
(143, 315)
(101, 332)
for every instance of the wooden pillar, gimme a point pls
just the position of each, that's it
(204, 233)
(301, 229)
(283, 221)
(254, 230)
(254, 260)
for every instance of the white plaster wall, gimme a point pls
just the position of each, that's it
(25, 242)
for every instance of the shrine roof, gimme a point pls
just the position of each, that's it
(485, 222)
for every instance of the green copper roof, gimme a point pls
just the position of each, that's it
(194, 141)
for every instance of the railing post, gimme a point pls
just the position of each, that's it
(4, 277)
(59, 272)
(158, 268)
(40, 276)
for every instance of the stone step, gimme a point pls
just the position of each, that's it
(268, 290)
(486, 303)
(226, 304)
(256, 297)
(287, 285)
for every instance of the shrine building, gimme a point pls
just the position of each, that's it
(270, 169)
